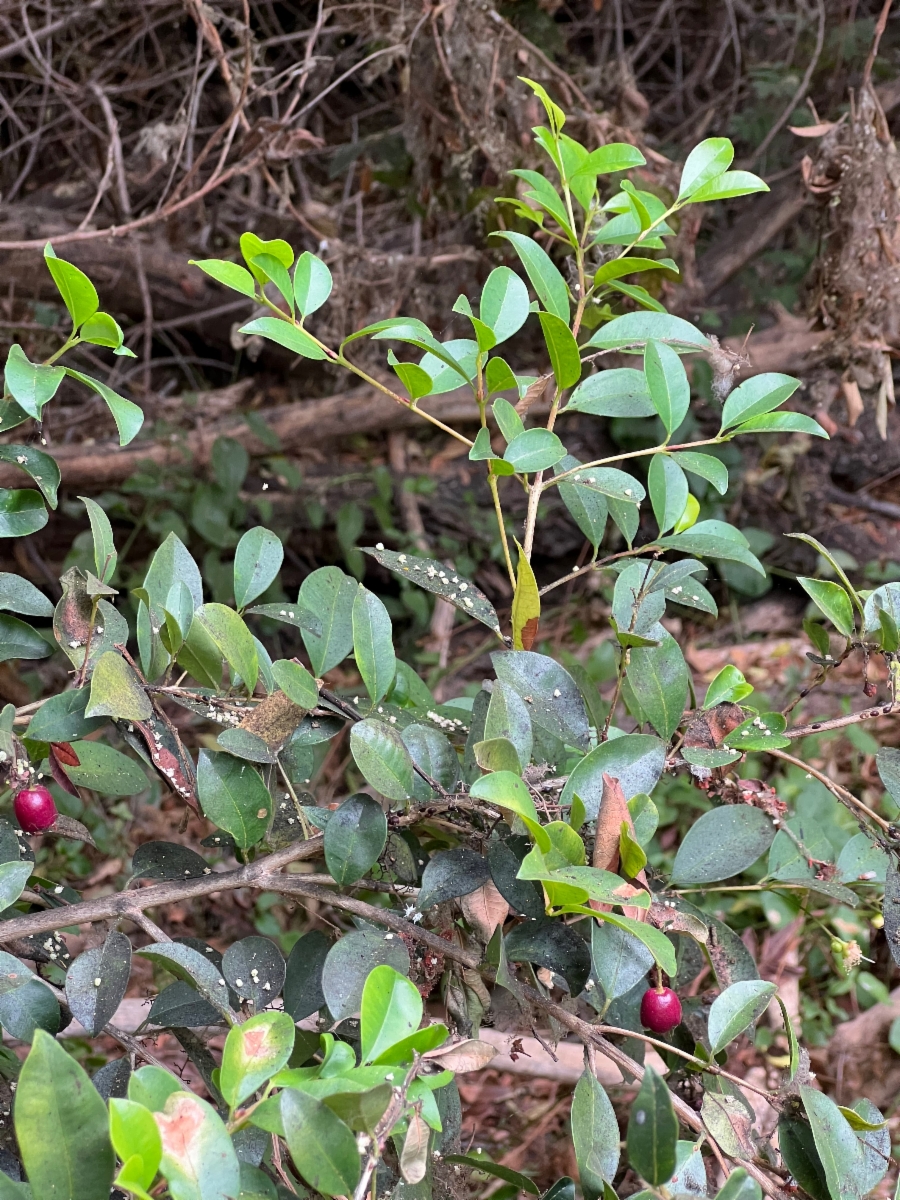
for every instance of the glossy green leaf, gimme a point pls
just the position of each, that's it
(105, 770)
(653, 1131)
(668, 384)
(275, 270)
(706, 162)
(504, 303)
(233, 796)
(595, 1136)
(252, 246)
(322, 1146)
(707, 466)
(230, 274)
(128, 416)
(22, 512)
(373, 644)
(78, 293)
(668, 490)
(391, 1011)
(715, 539)
(534, 450)
(728, 687)
(757, 395)
(257, 561)
(721, 843)
(231, 638)
(355, 837)
(19, 640)
(737, 1008)
(330, 594)
(562, 348)
(632, 332)
(545, 278)
(636, 760)
(61, 1126)
(286, 334)
(384, 760)
(617, 392)
(105, 556)
(31, 385)
(480, 1162)
(783, 422)
(312, 283)
(659, 678)
(840, 1151)
(619, 959)
(136, 1141)
(587, 507)
(727, 185)
(349, 963)
(831, 599)
(296, 682)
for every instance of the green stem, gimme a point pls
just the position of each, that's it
(492, 484)
(613, 458)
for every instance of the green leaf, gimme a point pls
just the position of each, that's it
(128, 416)
(617, 267)
(61, 1126)
(553, 945)
(384, 760)
(18, 640)
(763, 732)
(255, 970)
(562, 348)
(757, 395)
(480, 1162)
(831, 599)
(152, 1086)
(504, 303)
(373, 645)
(22, 512)
(136, 1141)
(508, 420)
(19, 595)
(620, 960)
(257, 561)
(534, 450)
(96, 982)
(349, 963)
(232, 639)
(526, 605)
(416, 381)
(228, 273)
(635, 759)
(728, 687)
(312, 283)
(32, 385)
(355, 837)
(78, 293)
(595, 1136)
(587, 507)
(322, 1146)
(498, 376)
(116, 691)
(435, 577)
(330, 594)
(706, 466)
(546, 280)
(102, 330)
(659, 678)
(199, 1161)
(287, 334)
(554, 700)
(737, 1008)
(391, 1011)
(105, 557)
(106, 770)
(668, 489)
(452, 873)
(653, 1131)
(276, 271)
(620, 392)
(172, 563)
(740, 1186)
(13, 877)
(705, 163)
(715, 539)
(234, 797)
(784, 422)
(253, 1053)
(508, 791)
(296, 683)
(728, 184)
(634, 330)
(839, 1149)
(668, 384)
(721, 843)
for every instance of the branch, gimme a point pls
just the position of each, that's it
(867, 714)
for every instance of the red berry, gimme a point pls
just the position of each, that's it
(660, 1010)
(35, 809)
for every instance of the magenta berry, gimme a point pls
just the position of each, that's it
(660, 1010)
(35, 809)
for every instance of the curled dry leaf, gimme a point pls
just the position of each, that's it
(470, 1055)
(484, 909)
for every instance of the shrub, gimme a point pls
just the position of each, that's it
(502, 843)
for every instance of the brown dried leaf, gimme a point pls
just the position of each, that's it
(534, 393)
(613, 811)
(465, 1056)
(484, 909)
(68, 827)
(710, 729)
(274, 719)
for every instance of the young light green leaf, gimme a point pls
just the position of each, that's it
(136, 1141)
(227, 273)
(78, 293)
(127, 416)
(232, 639)
(653, 1131)
(257, 561)
(276, 271)
(312, 283)
(735, 1009)
(253, 1053)
(705, 162)
(728, 687)
(373, 645)
(322, 1146)
(728, 184)
(31, 385)
(391, 1010)
(757, 395)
